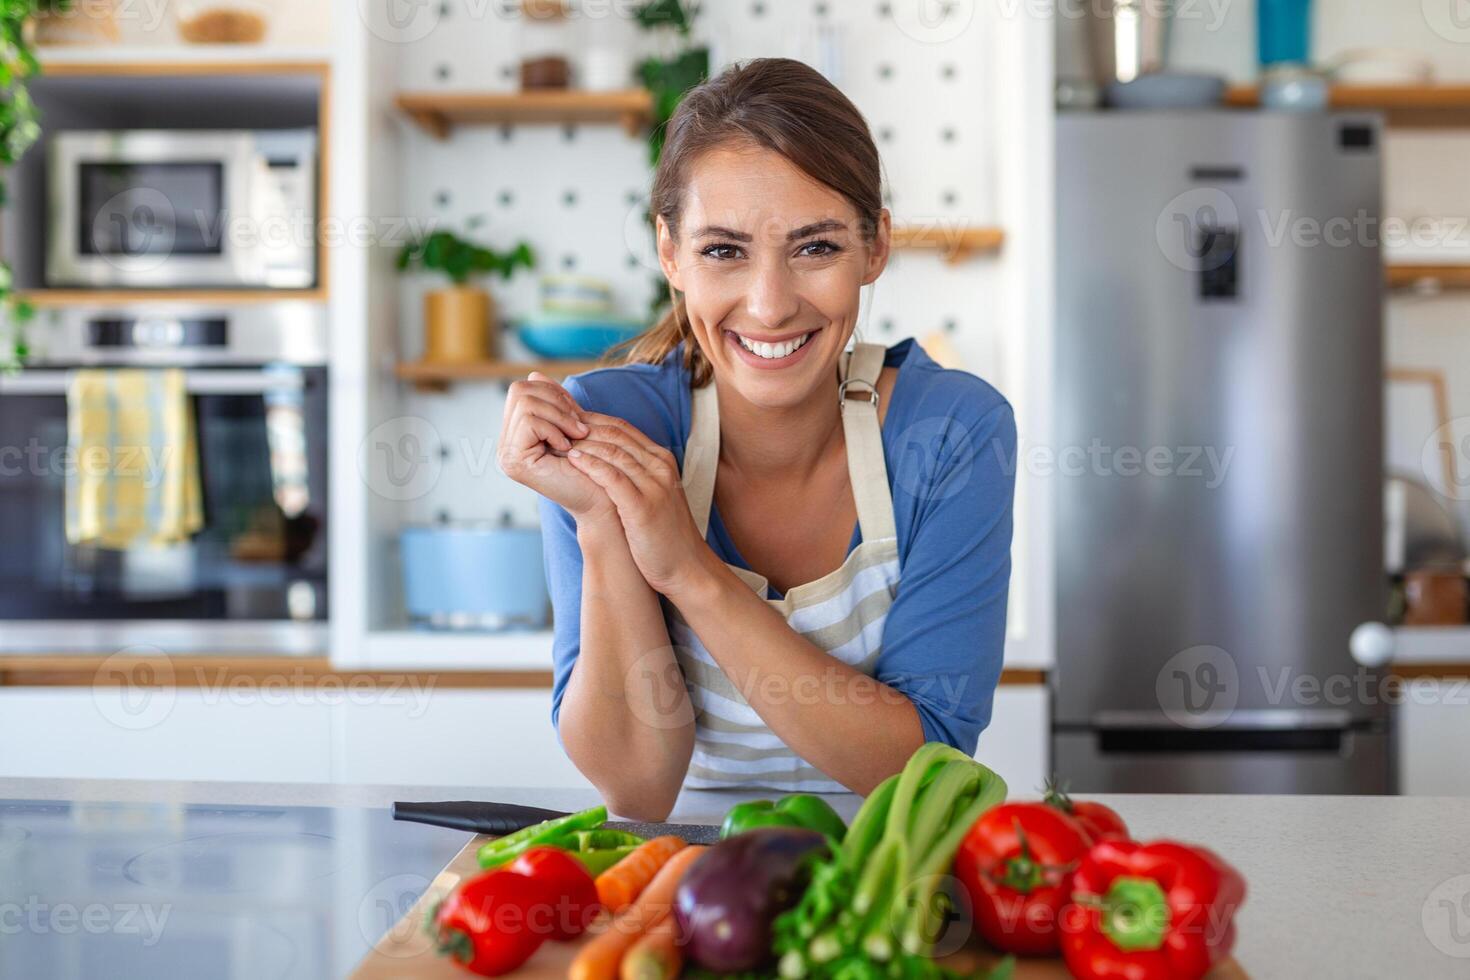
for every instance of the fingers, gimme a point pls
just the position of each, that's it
(532, 415)
(552, 388)
(657, 460)
(620, 458)
(621, 488)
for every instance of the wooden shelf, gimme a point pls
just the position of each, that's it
(439, 112)
(53, 298)
(1405, 105)
(955, 243)
(1443, 276)
(213, 59)
(437, 377)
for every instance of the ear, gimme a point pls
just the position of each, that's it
(668, 253)
(879, 247)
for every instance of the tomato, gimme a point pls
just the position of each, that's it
(1101, 822)
(1016, 865)
(571, 889)
(484, 923)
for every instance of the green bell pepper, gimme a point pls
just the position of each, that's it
(798, 810)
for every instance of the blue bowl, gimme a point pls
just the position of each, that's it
(572, 337)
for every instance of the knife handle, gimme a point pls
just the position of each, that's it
(498, 819)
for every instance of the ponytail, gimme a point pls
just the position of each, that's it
(658, 341)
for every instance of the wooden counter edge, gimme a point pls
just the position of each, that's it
(214, 671)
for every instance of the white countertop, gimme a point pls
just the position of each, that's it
(1338, 886)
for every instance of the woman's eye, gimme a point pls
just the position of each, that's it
(820, 248)
(721, 251)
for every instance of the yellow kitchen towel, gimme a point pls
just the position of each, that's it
(133, 478)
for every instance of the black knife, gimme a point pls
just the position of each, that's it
(499, 819)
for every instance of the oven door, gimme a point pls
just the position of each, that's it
(255, 577)
(149, 209)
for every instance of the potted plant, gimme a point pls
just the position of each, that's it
(459, 317)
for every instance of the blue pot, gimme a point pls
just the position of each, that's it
(569, 336)
(474, 577)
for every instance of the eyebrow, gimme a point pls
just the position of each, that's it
(717, 231)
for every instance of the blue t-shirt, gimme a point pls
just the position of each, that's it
(949, 440)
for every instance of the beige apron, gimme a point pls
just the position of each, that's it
(842, 612)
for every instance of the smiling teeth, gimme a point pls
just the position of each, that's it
(773, 351)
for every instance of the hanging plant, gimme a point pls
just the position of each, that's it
(667, 79)
(20, 127)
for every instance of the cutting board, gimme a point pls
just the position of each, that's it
(406, 953)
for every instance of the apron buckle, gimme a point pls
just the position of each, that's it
(843, 385)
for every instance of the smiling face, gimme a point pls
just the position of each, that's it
(770, 263)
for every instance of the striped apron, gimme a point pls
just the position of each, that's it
(841, 612)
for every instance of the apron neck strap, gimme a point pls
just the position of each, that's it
(858, 401)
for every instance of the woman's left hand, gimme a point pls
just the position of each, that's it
(642, 479)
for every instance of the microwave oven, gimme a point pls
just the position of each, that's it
(163, 209)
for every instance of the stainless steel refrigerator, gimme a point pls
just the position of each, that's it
(1218, 453)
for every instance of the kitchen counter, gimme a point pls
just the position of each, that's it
(158, 879)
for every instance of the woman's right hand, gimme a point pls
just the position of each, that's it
(541, 420)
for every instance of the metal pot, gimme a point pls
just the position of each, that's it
(1129, 37)
(474, 577)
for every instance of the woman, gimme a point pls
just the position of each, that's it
(771, 564)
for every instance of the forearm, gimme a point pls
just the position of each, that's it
(855, 729)
(626, 721)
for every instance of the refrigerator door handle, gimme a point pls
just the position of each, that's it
(1246, 719)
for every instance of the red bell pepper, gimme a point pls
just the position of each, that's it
(1016, 866)
(1097, 819)
(568, 886)
(1157, 911)
(485, 923)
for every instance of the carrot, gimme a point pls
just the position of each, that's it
(620, 884)
(601, 958)
(655, 955)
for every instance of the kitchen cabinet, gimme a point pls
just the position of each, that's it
(1433, 722)
(1015, 744)
(492, 738)
(415, 735)
(168, 733)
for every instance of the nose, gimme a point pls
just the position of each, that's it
(772, 299)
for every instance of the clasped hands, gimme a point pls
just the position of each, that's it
(603, 470)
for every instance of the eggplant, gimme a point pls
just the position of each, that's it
(730, 897)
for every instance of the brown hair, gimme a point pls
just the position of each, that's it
(778, 104)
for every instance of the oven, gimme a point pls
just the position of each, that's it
(182, 209)
(254, 577)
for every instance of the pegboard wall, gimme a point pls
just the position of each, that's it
(920, 72)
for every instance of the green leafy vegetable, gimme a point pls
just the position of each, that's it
(876, 908)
